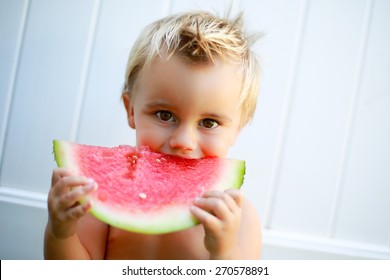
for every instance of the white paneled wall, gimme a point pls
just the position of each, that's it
(317, 152)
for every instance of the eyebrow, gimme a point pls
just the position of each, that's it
(157, 103)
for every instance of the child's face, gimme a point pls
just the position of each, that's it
(186, 110)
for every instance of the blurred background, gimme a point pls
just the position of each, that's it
(317, 152)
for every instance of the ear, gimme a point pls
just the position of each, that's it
(129, 109)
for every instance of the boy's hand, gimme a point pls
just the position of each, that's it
(63, 202)
(220, 214)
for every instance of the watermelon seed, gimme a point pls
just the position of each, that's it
(158, 160)
(134, 157)
(142, 195)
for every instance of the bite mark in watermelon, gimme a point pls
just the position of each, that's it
(143, 191)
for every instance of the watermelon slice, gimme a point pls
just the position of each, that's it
(143, 191)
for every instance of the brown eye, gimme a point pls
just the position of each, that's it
(209, 123)
(165, 116)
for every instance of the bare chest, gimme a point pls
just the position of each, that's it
(186, 244)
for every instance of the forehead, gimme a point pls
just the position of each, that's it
(209, 80)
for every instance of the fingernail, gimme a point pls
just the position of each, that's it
(196, 200)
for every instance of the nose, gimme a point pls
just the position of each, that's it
(183, 139)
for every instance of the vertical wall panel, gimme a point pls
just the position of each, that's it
(103, 119)
(365, 208)
(12, 22)
(319, 115)
(44, 95)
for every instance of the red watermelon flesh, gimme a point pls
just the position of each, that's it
(143, 191)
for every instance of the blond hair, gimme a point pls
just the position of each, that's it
(198, 37)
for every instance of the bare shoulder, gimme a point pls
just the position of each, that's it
(250, 236)
(93, 235)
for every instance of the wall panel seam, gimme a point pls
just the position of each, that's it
(337, 248)
(23, 197)
(166, 9)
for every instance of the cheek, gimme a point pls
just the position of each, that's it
(146, 133)
(150, 136)
(219, 145)
(146, 137)
(214, 147)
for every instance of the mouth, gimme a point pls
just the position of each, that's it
(183, 156)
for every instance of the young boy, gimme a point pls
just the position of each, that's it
(191, 85)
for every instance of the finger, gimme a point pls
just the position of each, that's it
(59, 173)
(75, 213)
(215, 205)
(226, 197)
(65, 184)
(76, 195)
(208, 220)
(237, 196)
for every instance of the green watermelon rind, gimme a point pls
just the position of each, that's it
(63, 154)
(172, 218)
